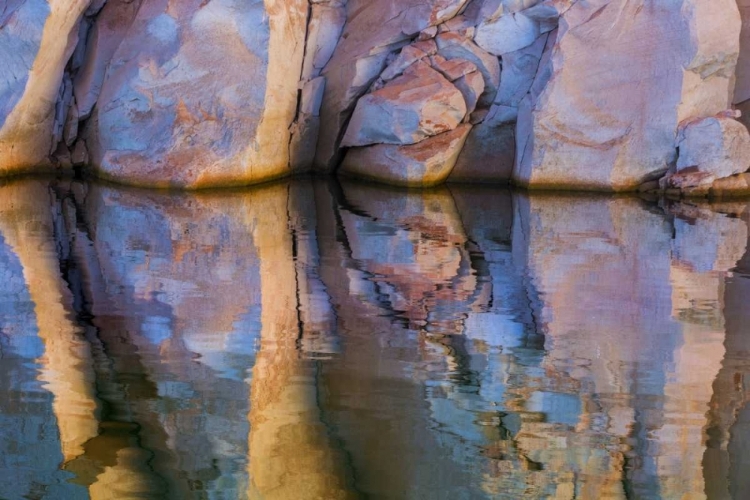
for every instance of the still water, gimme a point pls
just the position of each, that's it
(324, 340)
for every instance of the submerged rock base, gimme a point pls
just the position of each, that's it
(605, 95)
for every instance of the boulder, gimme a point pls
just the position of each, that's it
(408, 56)
(374, 30)
(490, 10)
(614, 84)
(489, 152)
(37, 39)
(547, 13)
(471, 87)
(461, 24)
(728, 187)
(455, 46)
(453, 69)
(419, 104)
(426, 163)
(507, 34)
(710, 149)
(201, 94)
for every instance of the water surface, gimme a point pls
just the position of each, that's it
(317, 340)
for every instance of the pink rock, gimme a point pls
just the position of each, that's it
(471, 87)
(454, 46)
(710, 149)
(408, 56)
(423, 164)
(417, 105)
(453, 69)
(374, 29)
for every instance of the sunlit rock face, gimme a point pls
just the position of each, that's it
(224, 93)
(615, 82)
(200, 94)
(37, 39)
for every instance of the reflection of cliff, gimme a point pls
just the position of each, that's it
(316, 340)
(33, 353)
(210, 290)
(632, 315)
(290, 454)
(726, 459)
(401, 283)
(27, 225)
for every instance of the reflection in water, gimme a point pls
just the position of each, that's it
(316, 340)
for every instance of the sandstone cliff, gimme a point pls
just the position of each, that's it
(610, 95)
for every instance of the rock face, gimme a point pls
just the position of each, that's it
(37, 39)
(374, 30)
(742, 89)
(489, 152)
(200, 95)
(574, 94)
(575, 131)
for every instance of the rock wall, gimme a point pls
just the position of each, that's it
(560, 94)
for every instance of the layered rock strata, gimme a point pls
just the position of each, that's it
(563, 94)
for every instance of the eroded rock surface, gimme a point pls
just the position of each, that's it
(426, 163)
(411, 108)
(37, 39)
(576, 94)
(199, 95)
(710, 149)
(489, 152)
(618, 79)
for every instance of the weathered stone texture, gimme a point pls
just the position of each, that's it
(426, 163)
(199, 95)
(489, 152)
(710, 149)
(578, 94)
(37, 39)
(620, 77)
(417, 105)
